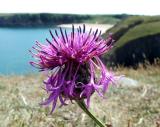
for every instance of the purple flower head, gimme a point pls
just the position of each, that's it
(73, 62)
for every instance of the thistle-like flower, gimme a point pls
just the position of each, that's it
(73, 62)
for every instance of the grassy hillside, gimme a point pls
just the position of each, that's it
(142, 30)
(137, 39)
(48, 19)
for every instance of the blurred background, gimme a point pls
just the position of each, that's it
(135, 25)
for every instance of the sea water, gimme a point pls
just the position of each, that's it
(14, 48)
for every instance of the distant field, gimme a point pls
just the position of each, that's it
(124, 106)
(49, 19)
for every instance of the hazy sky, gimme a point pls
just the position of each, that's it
(144, 7)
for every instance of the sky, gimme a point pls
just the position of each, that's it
(141, 7)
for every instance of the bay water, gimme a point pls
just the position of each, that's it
(14, 46)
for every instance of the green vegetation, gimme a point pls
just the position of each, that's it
(47, 19)
(140, 31)
(127, 24)
(105, 19)
(137, 39)
(24, 20)
(124, 106)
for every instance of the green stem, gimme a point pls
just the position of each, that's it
(84, 108)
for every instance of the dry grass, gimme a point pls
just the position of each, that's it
(123, 107)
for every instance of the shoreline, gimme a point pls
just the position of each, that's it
(102, 27)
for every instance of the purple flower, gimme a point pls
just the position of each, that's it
(73, 62)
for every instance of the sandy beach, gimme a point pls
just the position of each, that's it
(102, 27)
